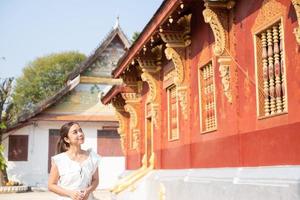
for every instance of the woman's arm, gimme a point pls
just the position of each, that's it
(52, 185)
(93, 186)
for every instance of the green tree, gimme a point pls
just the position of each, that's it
(135, 36)
(6, 114)
(43, 77)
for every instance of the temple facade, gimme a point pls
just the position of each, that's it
(209, 108)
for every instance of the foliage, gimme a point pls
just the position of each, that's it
(6, 114)
(43, 77)
(6, 103)
(135, 36)
(2, 159)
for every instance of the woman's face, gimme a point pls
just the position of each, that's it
(75, 135)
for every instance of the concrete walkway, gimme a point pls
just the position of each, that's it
(99, 195)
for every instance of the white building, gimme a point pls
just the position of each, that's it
(30, 143)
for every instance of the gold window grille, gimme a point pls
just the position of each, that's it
(270, 68)
(208, 117)
(172, 113)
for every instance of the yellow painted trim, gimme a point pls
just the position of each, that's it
(100, 80)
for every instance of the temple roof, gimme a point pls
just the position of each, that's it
(116, 31)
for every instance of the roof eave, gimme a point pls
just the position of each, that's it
(115, 90)
(161, 14)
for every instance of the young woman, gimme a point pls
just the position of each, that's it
(74, 172)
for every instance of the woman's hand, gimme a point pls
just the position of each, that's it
(86, 194)
(76, 195)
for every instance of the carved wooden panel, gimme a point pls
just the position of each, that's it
(271, 84)
(208, 119)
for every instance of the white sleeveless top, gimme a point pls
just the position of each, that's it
(74, 175)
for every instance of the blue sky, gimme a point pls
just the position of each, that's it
(34, 28)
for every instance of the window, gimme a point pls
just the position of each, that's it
(54, 135)
(18, 148)
(172, 113)
(208, 118)
(109, 143)
(271, 84)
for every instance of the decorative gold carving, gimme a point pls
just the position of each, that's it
(270, 11)
(133, 115)
(152, 86)
(178, 38)
(224, 70)
(133, 125)
(136, 139)
(171, 54)
(296, 4)
(119, 117)
(149, 65)
(148, 76)
(121, 131)
(218, 31)
(174, 39)
(131, 97)
(152, 96)
(182, 97)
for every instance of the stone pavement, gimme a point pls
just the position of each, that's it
(40, 195)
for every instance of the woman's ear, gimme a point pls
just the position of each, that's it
(66, 140)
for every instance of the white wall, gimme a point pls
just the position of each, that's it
(242, 183)
(34, 172)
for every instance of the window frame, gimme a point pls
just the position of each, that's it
(24, 145)
(255, 40)
(170, 139)
(200, 67)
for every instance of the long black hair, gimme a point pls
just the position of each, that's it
(62, 145)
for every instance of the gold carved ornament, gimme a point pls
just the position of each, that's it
(181, 91)
(133, 125)
(152, 86)
(171, 54)
(147, 77)
(270, 11)
(181, 38)
(224, 70)
(296, 4)
(219, 50)
(133, 115)
(182, 96)
(121, 130)
(218, 31)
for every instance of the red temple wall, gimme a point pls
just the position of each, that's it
(241, 139)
